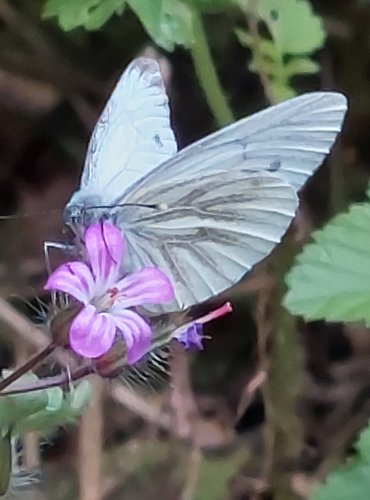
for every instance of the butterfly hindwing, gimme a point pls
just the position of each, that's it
(219, 227)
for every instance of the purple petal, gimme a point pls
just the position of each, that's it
(191, 337)
(104, 247)
(148, 286)
(136, 331)
(92, 334)
(74, 278)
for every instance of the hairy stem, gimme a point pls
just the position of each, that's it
(48, 382)
(206, 73)
(26, 367)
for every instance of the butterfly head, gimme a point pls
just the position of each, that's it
(83, 210)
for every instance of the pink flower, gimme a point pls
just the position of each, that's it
(191, 337)
(191, 334)
(107, 297)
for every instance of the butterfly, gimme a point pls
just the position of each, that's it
(206, 214)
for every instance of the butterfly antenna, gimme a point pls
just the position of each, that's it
(29, 215)
(157, 206)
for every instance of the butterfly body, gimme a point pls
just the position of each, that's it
(206, 214)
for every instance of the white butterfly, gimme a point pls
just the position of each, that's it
(206, 214)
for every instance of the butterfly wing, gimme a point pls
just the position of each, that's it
(230, 196)
(132, 136)
(291, 139)
(214, 229)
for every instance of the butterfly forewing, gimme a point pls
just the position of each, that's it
(132, 136)
(290, 139)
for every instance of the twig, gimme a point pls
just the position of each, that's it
(185, 413)
(91, 446)
(194, 468)
(35, 337)
(26, 367)
(47, 382)
(141, 407)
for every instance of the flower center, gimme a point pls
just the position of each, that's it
(106, 301)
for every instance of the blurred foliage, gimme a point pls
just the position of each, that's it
(331, 281)
(284, 46)
(41, 410)
(351, 481)
(35, 411)
(215, 475)
(295, 34)
(168, 22)
(331, 278)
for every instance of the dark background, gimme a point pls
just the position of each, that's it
(243, 441)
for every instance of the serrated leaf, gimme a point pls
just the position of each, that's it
(168, 22)
(300, 66)
(91, 14)
(352, 480)
(265, 47)
(293, 25)
(331, 278)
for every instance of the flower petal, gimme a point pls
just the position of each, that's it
(104, 246)
(74, 278)
(136, 331)
(148, 286)
(92, 334)
(190, 337)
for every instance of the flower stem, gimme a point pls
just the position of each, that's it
(206, 73)
(31, 363)
(48, 382)
(216, 313)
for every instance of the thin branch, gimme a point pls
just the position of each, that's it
(64, 379)
(26, 367)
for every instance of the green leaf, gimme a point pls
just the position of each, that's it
(61, 412)
(300, 65)
(168, 22)
(15, 407)
(211, 5)
(293, 25)
(265, 47)
(331, 278)
(351, 481)
(91, 14)
(282, 90)
(80, 396)
(55, 399)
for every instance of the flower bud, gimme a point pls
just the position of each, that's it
(113, 362)
(61, 324)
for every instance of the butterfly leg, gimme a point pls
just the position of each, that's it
(59, 246)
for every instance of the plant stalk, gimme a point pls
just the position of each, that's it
(207, 75)
(29, 365)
